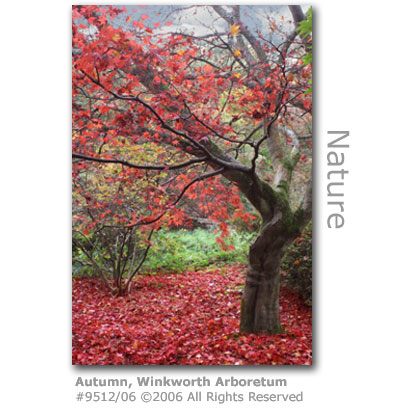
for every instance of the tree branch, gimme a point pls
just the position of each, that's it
(131, 165)
(203, 148)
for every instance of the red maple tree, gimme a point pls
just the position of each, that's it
(163, 120)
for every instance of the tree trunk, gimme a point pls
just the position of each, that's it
(260, 310)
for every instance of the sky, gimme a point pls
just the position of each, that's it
(201, 20)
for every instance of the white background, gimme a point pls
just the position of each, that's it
(360, 272)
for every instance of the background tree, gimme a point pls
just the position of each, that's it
(200, 118)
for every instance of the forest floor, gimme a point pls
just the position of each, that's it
(189, 318)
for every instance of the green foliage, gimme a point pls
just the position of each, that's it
(305, 26)
(305, 31)
(297, 265)
(173, 250)
(179, 250)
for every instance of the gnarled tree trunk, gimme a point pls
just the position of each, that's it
(260, 310)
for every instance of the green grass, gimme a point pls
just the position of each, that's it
(180, 250)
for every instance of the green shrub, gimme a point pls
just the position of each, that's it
(179, 250)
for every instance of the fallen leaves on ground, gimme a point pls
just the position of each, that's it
(182, 319)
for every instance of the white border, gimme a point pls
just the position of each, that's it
(361, 272)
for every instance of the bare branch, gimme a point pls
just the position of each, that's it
(94, 263)
(128, 282)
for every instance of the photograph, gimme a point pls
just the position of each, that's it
(192, 188)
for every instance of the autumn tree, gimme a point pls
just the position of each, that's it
(173, 117)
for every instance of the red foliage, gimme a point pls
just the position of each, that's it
(182, 319)
(134, 87)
